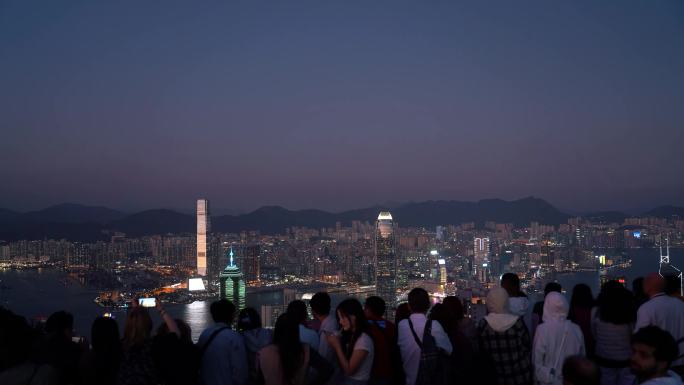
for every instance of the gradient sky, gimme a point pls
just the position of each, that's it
(340, 104)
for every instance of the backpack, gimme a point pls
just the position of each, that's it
(434, 362)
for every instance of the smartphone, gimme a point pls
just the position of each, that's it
(108, 315)
(147, 302)
(78, 340)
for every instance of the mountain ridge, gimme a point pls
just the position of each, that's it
(89, 223)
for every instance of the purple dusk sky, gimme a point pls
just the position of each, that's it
(341, 104)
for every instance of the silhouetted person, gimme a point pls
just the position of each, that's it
(384, 335)
(505, 341)
(298, 310)
(16, 343)
(518, 301)
(538, 309)
(255, 337)
(555, 340)
(612, 323)
(412, 332)
(138, 366)
(653, 350)
(354, 348)
(58, 349)
(175, 355)
(320, 307)
(663, 311)
(581, 305)
(402, 312)
(100, 365)
(222, 350)
(578, 370)
(287, 360)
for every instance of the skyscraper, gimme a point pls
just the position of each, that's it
(385, 259)
(203, 227)
(480, 253)
(232, 285)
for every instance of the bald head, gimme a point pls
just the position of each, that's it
(654, 284)
(578, 370)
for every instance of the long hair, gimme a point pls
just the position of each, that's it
(138, 327)
(351, 308)
(445, 316)
(248, 319)
(617, 305)
(286, 338)
(106, 343)
(582, 298)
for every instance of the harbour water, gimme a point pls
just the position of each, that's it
(38, 293)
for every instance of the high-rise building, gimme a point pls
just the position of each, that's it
(249, 260)
(232, 285)
(480, 253)
(203, 227)
(385, 259)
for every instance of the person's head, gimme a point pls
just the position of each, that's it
(183, 327)
(374, 307)
(673, 285)
(222, 311)
(511, 282)
(582, 297)
(286, 338)
(298, 310)
(552, 287)
(418, 300)
(61, 323)
(138, 327)
(352, 321)
(555, 307)
(104, 336)
(616, 304)
(654, 284)
(350, 315)
(653, 350)
(402, 312)
(442, 314)
(248, 319)
(497, 301)
(578, 370)
(16, 339)
(455, 306)
(320, 304)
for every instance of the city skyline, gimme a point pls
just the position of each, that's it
(335, 106)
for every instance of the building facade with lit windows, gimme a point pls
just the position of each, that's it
(232, 284)
(385, 259)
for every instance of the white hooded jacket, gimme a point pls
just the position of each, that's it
(547, 352)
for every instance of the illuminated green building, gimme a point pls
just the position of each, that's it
(232, 284)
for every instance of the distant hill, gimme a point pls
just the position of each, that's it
(159, 221)
(73, 213)
(607, 216)
(88, 223)
(666, 212)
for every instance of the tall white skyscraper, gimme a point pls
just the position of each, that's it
(203, 227)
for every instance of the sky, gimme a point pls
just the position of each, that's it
(341, 104)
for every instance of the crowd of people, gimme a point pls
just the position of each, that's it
(621, 337)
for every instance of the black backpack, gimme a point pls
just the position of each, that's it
(434, 362)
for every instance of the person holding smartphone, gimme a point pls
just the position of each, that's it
(138, 366)
(354, 347)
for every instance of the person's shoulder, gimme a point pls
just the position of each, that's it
(364, 342)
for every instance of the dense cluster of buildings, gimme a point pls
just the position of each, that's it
(387, 258)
